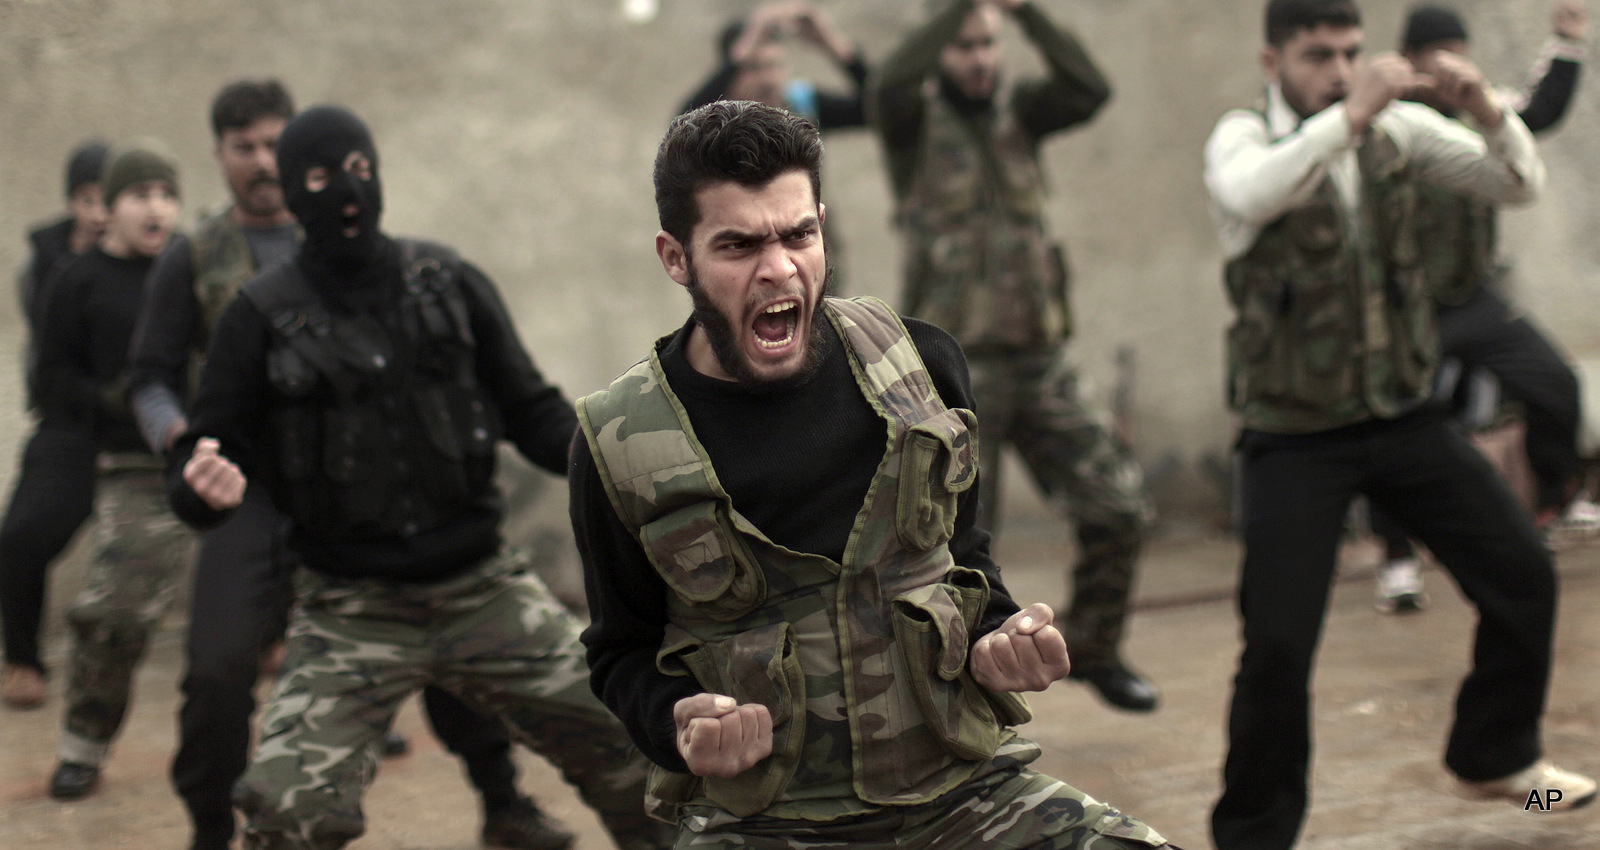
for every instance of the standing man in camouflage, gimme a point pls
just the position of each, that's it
(1331, 356)
(142, 552)
(963, 151)
(800, 625)
(241, 593)
(363, 386)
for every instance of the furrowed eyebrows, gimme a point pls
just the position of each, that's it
(810, 222)
(734, 234)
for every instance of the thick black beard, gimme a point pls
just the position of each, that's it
(719, 332)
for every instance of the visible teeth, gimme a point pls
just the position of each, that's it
(779, 308)
(776, 343)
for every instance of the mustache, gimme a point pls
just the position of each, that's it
(262, 179)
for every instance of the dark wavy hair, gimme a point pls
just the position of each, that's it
(736, 141)
(242, 103)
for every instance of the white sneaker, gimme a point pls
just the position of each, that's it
(1399, 587)
(1541, 786)
(1581, 517)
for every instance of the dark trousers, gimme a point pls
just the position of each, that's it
(1296, 491)
(1484, 333)
(240, 606)
(53, 497)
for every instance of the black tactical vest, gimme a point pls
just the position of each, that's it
(379, 424)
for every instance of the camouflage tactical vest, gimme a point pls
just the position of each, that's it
(1331, 329)
(1456, 233)
(977, 260)
(222, 261)
(862, 664)
(380, 425)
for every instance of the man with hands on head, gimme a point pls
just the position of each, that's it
(796, 619)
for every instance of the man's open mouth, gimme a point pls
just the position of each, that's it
(351, 218)
(774, 326)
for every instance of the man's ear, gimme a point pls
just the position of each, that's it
(673, 258)
(1271, 61)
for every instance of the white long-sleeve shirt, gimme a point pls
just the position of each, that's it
(1257, 169)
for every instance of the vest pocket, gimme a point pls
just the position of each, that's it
(1322, 368)
(704, 561)
(933, 626)
(760, 665)
(939, 461)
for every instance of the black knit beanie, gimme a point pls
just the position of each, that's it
(137, 161)
(1430, 25)
(87, 164)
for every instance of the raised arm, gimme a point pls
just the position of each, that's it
(1073, 90)
(895, 102)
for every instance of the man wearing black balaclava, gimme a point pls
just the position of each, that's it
(962, 145)
(366, 385)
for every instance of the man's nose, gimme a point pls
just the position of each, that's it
(776, 265)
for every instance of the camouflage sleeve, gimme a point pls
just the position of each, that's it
(628, 614)
(947, 365)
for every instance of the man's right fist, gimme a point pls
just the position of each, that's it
(214, 478)
(719, 738)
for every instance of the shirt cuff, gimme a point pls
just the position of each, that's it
(1570, 49)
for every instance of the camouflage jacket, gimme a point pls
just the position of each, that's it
(977, 260)
(1331, 329)
(862, 663)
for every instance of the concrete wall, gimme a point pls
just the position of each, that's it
(523, 133)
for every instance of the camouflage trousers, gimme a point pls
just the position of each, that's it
(142, 553)
(358, 648)
(1011, 808)
(1033, 402)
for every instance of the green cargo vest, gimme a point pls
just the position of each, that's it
(862, 664)
(1456, 233)
(220, 256)
(381, 427)
(977, 260)
(1331, 330)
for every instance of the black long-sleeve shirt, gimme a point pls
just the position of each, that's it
(1555, 80)
(50, 244)
(235, 398)
(86, 316)
(797, 464)
(834, 110)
